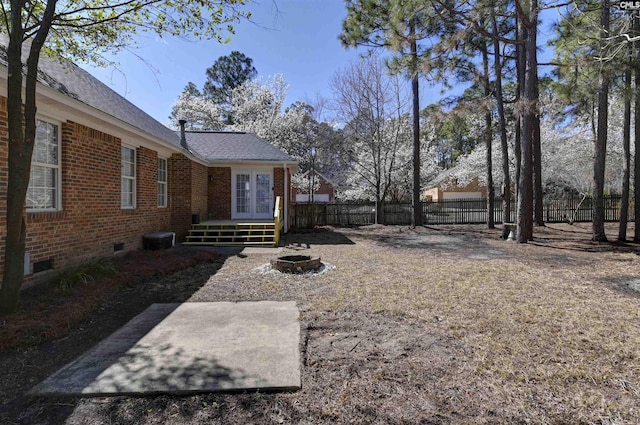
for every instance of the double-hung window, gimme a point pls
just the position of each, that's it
(162, 182)
(44, 189)
(128, 174)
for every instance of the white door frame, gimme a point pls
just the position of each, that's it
(251, 214)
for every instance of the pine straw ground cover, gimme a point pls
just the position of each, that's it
(442, 325)
(49, 311)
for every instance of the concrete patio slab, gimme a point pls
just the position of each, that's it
(190, 348)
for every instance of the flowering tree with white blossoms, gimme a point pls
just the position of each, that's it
(379, 171)
(306, 182)
(567, 154)
(455, 139)
(199, 112)
(377, 130)
(256, 106)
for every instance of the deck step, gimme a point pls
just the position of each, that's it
(239, 226)
(227, 240)
(229, 243)
(232, 234)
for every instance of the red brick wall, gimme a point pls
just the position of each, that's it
(187, 193)
(325, 188)
(220, 193)
(180, 194)
(278, 182)
(91, 220)
(199, 182)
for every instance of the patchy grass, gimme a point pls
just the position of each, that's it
(537, 336)
(447, 325)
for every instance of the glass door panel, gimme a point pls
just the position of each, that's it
(252, 193)
(242, 195)
(264, 197)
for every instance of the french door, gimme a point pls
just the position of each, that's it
(252, 193)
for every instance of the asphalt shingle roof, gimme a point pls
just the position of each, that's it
(73, 81)
(234, 146)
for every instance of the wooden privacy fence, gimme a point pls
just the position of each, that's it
(450, 211)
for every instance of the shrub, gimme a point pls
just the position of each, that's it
(84, 273)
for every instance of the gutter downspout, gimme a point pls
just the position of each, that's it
(286, 198)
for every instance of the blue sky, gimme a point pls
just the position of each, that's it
(296, 38)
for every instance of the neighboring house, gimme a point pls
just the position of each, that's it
(325, 193)
(450, 189)
(104, 173)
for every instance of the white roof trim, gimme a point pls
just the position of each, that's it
(60, 106)
(257, 163)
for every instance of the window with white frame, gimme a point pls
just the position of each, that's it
(128, 178)
(44, 183)
(162, 182)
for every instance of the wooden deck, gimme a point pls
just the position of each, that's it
(233, 233)
(239, 232)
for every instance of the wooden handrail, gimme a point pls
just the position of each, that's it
(278, 220)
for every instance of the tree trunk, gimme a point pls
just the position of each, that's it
(521, 35)
(600, 149)
(22, 132)
(310, 204)
(636, 137)
(529, 110)
(626, 152)
(379, 216)
(488, 136)
(417, 206)
(538, 212)
(18, 179)
(502, 122)
(517, 153)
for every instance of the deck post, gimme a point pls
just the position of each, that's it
(286, 197)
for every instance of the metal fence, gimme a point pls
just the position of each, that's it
(580, 209)
(450, 211)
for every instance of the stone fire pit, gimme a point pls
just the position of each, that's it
(296, 263)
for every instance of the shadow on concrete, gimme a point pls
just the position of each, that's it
(122, 366)
(38, 362)
(181, 349)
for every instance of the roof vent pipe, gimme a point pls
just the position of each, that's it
(183, 137)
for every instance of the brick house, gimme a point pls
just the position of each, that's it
(325, 193)
(104, 173)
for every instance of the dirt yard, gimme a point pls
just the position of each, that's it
(446, 325)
